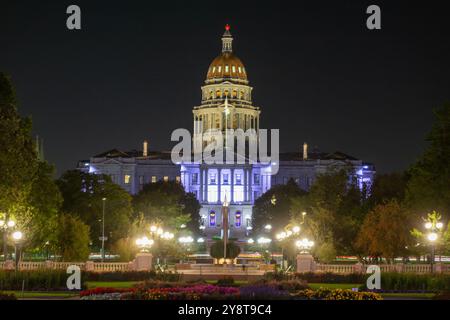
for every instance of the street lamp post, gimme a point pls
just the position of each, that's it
(5, 225)
(103, 230)
(433, 225)
(17, 238)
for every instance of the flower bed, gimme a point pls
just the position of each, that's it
(335, 294)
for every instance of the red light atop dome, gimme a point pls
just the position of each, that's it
(227, 27)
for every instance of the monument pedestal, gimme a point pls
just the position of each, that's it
(143, 261)
(305, 263)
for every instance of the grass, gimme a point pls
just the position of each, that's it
(110, 284)
(46, 294)
(316, 286)
(408, 295)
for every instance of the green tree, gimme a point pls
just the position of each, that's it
(18, 159)
(386, 232)
(428, 188)
(336, 210)
(275, 206)
(387, 187)
(217, 250)
(167, 202)
(71, 238)
(83, 195)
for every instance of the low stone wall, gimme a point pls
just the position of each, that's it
(306, 263)
(142, 262)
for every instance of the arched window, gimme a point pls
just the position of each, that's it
(218, 94)
(238, 219)
(212, 219)
(234, 94)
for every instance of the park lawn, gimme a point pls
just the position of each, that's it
(350, 286)
(44, 294)
(409, 295)
(110, 284)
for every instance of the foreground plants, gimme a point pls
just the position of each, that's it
(335, 294)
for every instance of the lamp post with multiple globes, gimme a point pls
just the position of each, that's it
(433, 227)
(5, 226)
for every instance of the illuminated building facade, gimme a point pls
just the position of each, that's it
(226, 104)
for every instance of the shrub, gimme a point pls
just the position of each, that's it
(7, 296)
(394, 281)
(335, 294)
(261, 292)
(328, 277)
(133, 276)
(36, 280)
(226, 281)
(216, 250)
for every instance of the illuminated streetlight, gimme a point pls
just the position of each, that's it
(264, 240)
(268, 227)
(304, 245)
(428, 225)
(144, 243)
(200, 240)
(153, 228)
(296, 229)
(17, 238)
(250, 241)
(432, 236)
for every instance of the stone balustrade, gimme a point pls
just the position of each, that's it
(85, 266)
(306, 263)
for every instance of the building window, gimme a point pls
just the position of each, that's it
(154, 179)
(220, 69)
(238, 219)
(127, 179)
(166, 179)
(226, 68)
(178, 179)
(233, 68)
(212, 178)
(212, 219)
(238, 178)
(194, 178)
(218, 94)
(214, 69)
(240, 70)
(225, 178)
(256, 178)
(113, 178)
(255, 195)
(141, 180)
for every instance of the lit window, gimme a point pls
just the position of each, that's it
(218, 94)
(220, 69)
(126, 179)
(166, 178)
(212, 219)
(214, 69)
(234, 94)
(240, 70)
(238, 179)
(238, 219)
(178, 179)
(227, 68)
(256, 178)
(225, 178)
(154, 179)
(233, 68)
(195, 178)
(212, 178)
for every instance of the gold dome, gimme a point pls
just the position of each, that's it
(226, 67)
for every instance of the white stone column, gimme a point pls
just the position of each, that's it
(201, 185)
(305, 263)
(219, 183)
(206, 184)
(232, 186)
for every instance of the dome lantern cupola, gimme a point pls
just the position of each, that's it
(227, 40)
(226, 67)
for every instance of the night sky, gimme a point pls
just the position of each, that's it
(135, 69)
